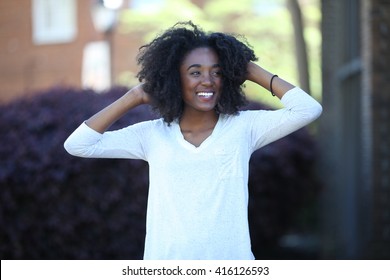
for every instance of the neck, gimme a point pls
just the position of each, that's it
(191, 121)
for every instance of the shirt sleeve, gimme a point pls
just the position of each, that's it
(299, 110)
(122, 143)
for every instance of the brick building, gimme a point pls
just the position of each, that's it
(37, 52)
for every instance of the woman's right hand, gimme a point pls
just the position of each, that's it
(142, 96)
(108, 115)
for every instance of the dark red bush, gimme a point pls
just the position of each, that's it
(55, 206)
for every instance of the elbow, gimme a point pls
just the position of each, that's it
(69, 148)
(312, 114)
(79, 149)
(72, 149)
(317, 111)
(80, 143)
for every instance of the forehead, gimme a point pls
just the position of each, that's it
(201, 55)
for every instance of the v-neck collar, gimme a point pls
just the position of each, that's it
(180, 137)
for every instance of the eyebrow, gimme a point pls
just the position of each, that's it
(198, 65)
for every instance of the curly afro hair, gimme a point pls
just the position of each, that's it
(160, 62)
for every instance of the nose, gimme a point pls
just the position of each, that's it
(207, 79)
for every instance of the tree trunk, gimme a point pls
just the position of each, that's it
(300, 44)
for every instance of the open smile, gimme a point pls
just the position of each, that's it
(205, 95)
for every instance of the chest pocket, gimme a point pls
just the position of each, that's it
(228, 163)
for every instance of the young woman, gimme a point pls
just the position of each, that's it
(198, 152)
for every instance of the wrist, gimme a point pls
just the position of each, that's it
(131, 99)
(259, 75)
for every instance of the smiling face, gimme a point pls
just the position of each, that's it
(201, 80)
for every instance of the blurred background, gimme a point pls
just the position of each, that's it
(62, 60)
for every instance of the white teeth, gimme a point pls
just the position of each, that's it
(205, 94)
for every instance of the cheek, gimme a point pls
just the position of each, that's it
(187, 82)
(188, 88)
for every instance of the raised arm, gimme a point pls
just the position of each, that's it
(103, 119)
(299, 110)
(90, 139)
(263, 78)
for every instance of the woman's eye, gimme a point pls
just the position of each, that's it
(198, 73)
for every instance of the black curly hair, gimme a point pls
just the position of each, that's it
(160, 62)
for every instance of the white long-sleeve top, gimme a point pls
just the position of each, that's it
(198, 196)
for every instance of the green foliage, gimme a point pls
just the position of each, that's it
(153, 21)
(312, 17)
(266, 25)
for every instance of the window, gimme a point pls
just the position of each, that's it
(54, 21)
(96, 72)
